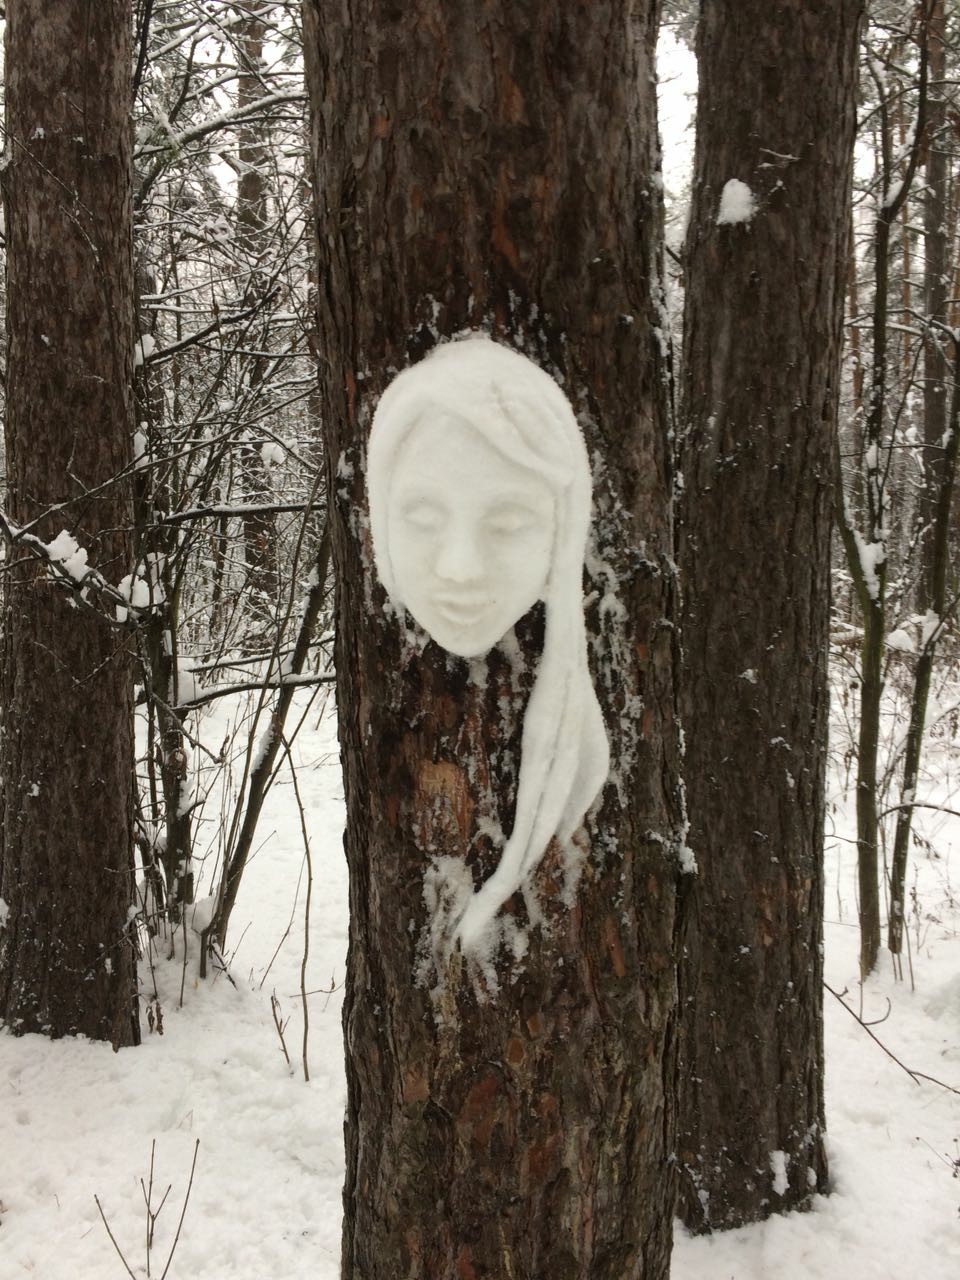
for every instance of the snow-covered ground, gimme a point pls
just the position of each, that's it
(893, 1143)
(78, 1121)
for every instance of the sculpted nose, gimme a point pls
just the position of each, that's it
(460, 558)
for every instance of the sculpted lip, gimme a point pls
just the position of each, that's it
(462, 609)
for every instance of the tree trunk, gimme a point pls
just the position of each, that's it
(937, 608)
(495, 167)
(764, 311)
(67, 961)
(936, 281)
(155, 549)
(260, 530)
(867, 544)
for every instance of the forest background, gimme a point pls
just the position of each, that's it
(239, 801)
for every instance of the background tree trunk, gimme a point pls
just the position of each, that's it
(936, 282)
(67, 961)
(764, 310)
(495, 167)
(253, 236)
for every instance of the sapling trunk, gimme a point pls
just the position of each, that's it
(940, 545)
(867, 552)
(260, 774)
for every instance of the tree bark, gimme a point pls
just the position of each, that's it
(495, 167)
(259, 531)
(762, 340)
(67, 960)
(936, 281)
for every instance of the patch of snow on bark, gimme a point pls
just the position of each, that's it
(872, 555)
(737, 203)
(778, 1166)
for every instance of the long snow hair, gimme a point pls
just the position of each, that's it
(521, 412)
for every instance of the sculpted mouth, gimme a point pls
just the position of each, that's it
(462, 610)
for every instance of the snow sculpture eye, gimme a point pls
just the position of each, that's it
(423, 515)
(511, 518)
(479, 490)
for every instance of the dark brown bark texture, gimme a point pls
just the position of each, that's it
(494, 166)
(67, 963)
(764, 309)
(936, 282)
(259, 531)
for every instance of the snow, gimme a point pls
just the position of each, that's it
(79, 1120)
(272, 454)
(67, 552)
(687, 859)
(929, 628)
(479, 490)
(134, 589)
(4, 913)
(737, 203)
(778, 1167)
(892, 193)
(141, 450)
(143, 349)
(901, 640)
(201, 913)
(188, 683)
(872, 557)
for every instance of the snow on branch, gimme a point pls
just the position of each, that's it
(67, 565)
(219, 120)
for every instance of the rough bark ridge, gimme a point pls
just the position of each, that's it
(764, 309)
(67, 964)
(495, 166)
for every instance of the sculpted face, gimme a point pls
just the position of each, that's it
(470, 534)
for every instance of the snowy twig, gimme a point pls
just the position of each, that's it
(254, 686)
(236, 510)
(81, 585)
(920, 804)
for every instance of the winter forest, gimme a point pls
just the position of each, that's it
(479, 697)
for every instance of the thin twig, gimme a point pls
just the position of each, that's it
(114, 1239)
(306, 909)
(915, 1076)
(280, 1025)
(186, 1201)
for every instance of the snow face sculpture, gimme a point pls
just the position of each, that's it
(479, 489)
